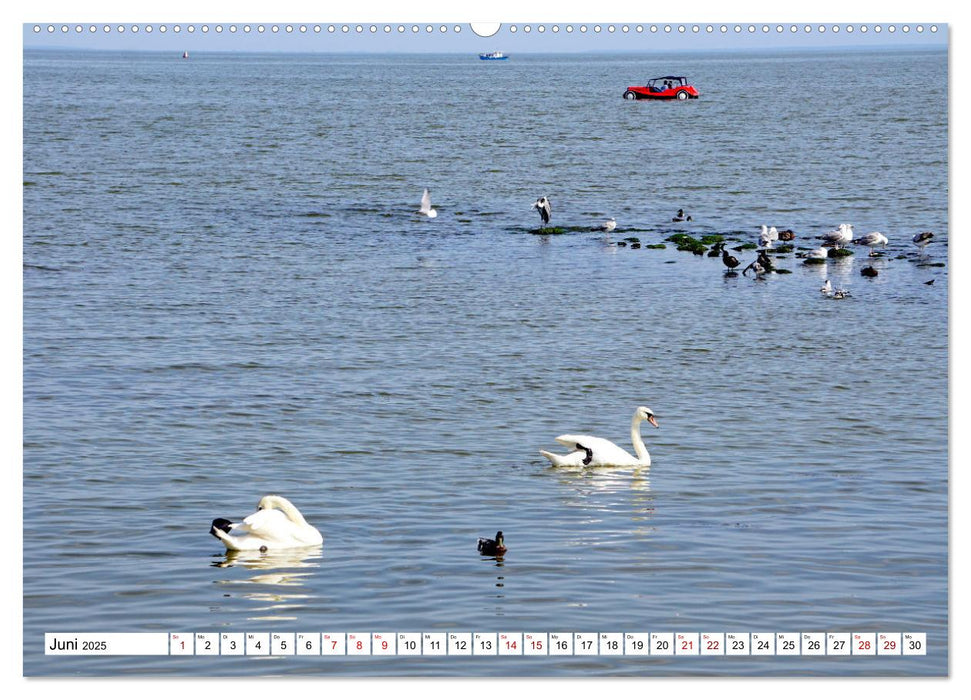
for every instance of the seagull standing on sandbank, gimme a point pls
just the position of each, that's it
(872, 240)
(840, 237)
(922, 239)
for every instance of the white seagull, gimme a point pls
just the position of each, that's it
(827, 288)
(609, 225)
(841, 236)
(276, 524)
(872, 240)
(543, 204)
(426, 206)
(768, 236)
(818, 254)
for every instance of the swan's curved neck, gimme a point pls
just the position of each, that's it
(635, 437)
(289, 510)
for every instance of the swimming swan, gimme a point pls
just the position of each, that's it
(592, 451)
(276, 524)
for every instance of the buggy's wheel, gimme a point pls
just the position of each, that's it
(682, 94)
(629, 95)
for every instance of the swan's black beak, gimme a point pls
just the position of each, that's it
(653, 421)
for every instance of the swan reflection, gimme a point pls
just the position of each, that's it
(278, 583)
(602, 491)
(286, 567)
(590, 480)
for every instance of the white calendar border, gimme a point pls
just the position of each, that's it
(11, 645)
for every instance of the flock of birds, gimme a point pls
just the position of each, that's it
(832, 240)
(277, 524)
(836, 239)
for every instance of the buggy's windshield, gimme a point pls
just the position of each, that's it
(666, 83)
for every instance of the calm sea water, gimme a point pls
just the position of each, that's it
(227, 293)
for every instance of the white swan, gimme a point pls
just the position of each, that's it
(276, 524)
(426, 206)
(589, 451)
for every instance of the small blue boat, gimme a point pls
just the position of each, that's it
(493, 56)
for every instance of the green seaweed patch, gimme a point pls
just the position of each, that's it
(933, 264)
(782, 271)
(745, 246)
(685, 242)
(670, 262)
(695, 248)
(656, 246)
(632, 239)
(680, 239)
(839, 252)
(784, 249)
(621, 244)
(814, 261)
(635, 245)
(901, 257)
(547, 230)
(712, 239)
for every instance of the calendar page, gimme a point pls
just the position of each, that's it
(516, 349)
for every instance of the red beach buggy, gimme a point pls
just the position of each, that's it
(668, 87)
